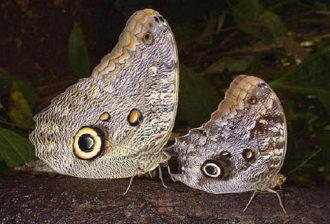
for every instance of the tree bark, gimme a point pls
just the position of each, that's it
(61, 199)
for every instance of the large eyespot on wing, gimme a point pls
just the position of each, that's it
(219, 168)
(88, 143)
(211, 169)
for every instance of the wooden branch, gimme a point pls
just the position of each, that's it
(29, 199)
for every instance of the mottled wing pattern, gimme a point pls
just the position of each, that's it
(241, 148)
(115, 123)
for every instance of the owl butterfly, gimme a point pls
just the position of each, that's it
(115, 123)
(241, 148)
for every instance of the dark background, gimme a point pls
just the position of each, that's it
(47, 45)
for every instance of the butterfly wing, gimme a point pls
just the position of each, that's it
(115, 123)
(241, 148)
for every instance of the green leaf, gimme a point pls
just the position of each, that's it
(6, 82)
(274, 23)
(198, 98)
(10, 82)
(231, 64)
(78, 54)
(15, 150)
(217, 67)
(27, 91)
(20, 111)
(255, 64)
(250, 16)
(246, 14)
(238, 65)
(186, 34)
(210, 28)
(311, 78)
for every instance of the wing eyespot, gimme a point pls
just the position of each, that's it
(211, 169)
(148, 38)
(225, 154)
(248, 155)
(135, 117)
(87, 143)
(105, 116)
(251, 100)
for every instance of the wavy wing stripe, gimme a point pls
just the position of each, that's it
(127, 42)
(237, 91)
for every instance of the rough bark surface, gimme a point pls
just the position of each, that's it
(26, 199)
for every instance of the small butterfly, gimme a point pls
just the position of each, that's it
(241, 148)
(115, 123)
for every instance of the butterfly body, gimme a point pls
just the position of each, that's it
(241, 148)
(115, 123)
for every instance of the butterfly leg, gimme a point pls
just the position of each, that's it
(129, 185)
(151, 176)
(131, 180)
(165, 164)
(170, 173)
(279, 199)
(161, 176)
(252, 197)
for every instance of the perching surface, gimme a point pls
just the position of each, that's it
(26, 199)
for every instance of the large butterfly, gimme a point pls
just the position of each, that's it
(115, 123)
(241, 148)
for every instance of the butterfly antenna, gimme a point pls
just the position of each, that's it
(161, 176)
(279, 199)
(252, 197)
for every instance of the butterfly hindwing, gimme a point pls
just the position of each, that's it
(115, 123)
(241, 148)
